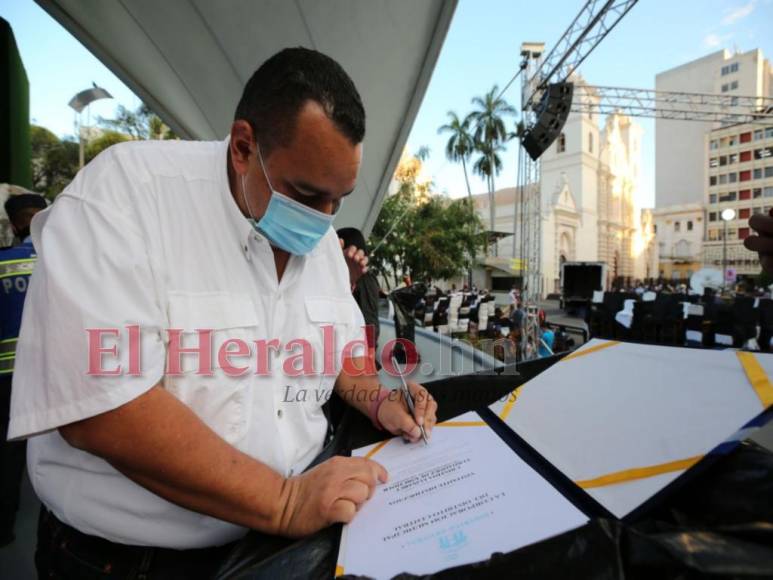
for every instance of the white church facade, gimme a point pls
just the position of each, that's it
(590, 210)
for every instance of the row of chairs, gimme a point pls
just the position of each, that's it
(453, 314)
(677, 319)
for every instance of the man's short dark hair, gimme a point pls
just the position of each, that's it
(353, 237)
(277, 91)
(24, 204)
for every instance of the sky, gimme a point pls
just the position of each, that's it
(481, 50)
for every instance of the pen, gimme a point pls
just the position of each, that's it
(408, 398)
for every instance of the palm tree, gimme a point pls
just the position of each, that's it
(460, 144)
(489, 135)
(488, 165)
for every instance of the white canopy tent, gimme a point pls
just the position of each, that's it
(189, 59)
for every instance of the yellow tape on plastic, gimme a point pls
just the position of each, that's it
(583, 352)
(511, 398)
(757, 377)
(639, 473)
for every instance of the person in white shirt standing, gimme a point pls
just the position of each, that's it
(190, 314)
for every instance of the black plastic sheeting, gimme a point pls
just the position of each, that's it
(719, 525)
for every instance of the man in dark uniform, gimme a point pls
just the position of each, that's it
(16, 264)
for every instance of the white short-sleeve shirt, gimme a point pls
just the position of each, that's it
(149, 235)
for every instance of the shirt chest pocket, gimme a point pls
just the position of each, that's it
(328, 323)
(205, 371)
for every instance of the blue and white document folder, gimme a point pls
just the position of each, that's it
(608, 431)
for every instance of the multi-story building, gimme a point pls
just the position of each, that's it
(680, 171)
(679, 230)
(739, 163)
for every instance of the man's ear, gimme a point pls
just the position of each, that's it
(240, 145)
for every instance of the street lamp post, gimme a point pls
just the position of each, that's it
(728, 214)
(78, 103)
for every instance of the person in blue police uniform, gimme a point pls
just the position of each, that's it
(16, 264)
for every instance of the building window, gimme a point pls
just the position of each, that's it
(744, 213)
(746, 156)
(590, 142)
(714, 235)
(758, 173)
(714, 144)
(729, 68)
(732, 177)
(743, 233)
(733, 85)
(746, 137)
(676, 226)
(732, 158)
(745, 194)
(756, 192)
(732, 141)
(689, 226)
(725, 87)
(756, 210)
(723, 179)
(763, 153)
(767, 191)
(713, 162)
(654, 228)
(722, 160)
(769, 171)
(769, 133)
(712, 216)
(745, 175)
(758, 134)
(728, 196)
(561, 144)
(712, 198)
(713, 180)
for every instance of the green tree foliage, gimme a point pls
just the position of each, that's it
(54, 161)
(490, 134)
(423, 235)
(460, 145)
(139, 124)
(105, 140)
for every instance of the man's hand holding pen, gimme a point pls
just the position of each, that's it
(395, 416)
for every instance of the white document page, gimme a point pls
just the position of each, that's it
(455, 501)
(625, 420)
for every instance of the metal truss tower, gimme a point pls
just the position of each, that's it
(594, 21)
(678, 106)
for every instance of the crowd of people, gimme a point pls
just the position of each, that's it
(746, 286)
(519, 334)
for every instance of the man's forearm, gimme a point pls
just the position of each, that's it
(161, 444)
(357, 389)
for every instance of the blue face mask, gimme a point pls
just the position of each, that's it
(288, 224)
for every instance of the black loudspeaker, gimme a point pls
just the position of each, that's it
(552, 112)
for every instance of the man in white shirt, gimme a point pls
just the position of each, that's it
(514, 297)
(191, 314)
